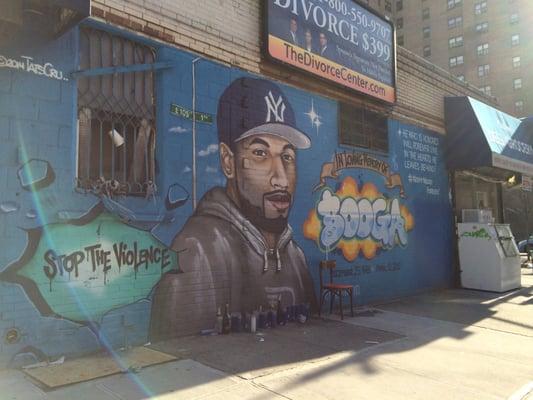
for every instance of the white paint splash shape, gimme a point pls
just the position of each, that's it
(9, 207)
(178, 129)
(211, 149)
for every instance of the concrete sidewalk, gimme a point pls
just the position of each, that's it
(453, 344)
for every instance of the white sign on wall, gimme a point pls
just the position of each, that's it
(527, 183)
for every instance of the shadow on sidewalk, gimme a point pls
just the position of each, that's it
(247, 356)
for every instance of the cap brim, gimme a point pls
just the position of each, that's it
(295, 137)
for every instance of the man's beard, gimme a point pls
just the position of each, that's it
(257, 217)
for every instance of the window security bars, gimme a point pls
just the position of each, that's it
(363, 128)
(116, 117)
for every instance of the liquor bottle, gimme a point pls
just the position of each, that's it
(235, 322)
(279, 313)
(253, 322)
(226, 321)
(261, 320)
(272, 320)
(245, 322)
(218, 323)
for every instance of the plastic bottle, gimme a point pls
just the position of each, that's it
(226, 321)
(253, 322)
(218, 322)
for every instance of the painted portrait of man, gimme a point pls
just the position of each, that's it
(238, 243)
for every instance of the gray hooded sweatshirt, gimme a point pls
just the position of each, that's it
(226, 261)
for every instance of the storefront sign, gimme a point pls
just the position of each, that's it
(338, 40)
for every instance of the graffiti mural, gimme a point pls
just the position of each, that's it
(358, 220)
(276, 194)
(75, 270)
(239, 239)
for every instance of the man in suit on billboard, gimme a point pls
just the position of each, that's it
(293, 36)
(325, 49)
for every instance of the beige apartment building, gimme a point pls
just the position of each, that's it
(487, 43)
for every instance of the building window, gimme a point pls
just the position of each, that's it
(482, 27)
(425, 13)
(427, 51)
(455, 61)
(519, 105)
(456, 41)
(480, 8)
(116, 125)
(399, 23)
(455, 22)
(461, 77)
(388, 6)
(454, 3)
(399, 5)
(517, 83)
(483, 70)
(516, 62)
(515, 40)
(486, 89)
(426, 32)
(363, 128)
(399, 40)
(483, 49)
(513, 19)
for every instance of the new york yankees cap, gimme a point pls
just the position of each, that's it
(252, 106)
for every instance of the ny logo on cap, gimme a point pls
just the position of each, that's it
(275, 107)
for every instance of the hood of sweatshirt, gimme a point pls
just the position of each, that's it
(217, 203)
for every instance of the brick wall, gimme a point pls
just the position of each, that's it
(231, 33)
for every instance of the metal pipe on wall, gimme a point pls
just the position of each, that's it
(194, 132)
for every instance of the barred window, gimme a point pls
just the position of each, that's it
(116, 116)
(454, 3)
(483, 70)
(456, 41)
(483, 49)
(363, 128)
(455, 22)
(480, 8)
(486, 89)
(455, 61)
(482, 27)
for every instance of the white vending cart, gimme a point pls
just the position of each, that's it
(488, 256)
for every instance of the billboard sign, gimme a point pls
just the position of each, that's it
(338, 40)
